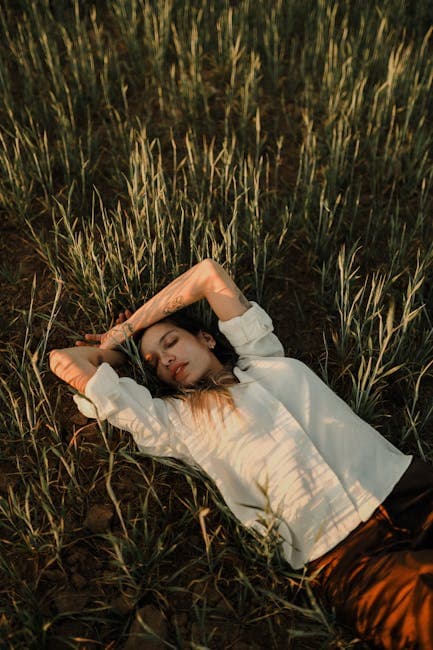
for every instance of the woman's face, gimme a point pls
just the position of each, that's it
(179, 357)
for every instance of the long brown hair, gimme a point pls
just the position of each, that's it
(212, 389)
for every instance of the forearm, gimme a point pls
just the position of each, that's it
(185, 290)
(207, 279)
(77, 365)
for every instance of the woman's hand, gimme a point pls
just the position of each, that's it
(114, 337)
(77, 366)
(123, 316)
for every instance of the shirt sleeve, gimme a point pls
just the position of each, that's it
(251, 334)
(129, 406)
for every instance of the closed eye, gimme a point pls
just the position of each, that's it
(150, 358)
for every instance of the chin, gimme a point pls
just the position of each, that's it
(190, 383)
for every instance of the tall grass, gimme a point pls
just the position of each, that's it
(290, 141)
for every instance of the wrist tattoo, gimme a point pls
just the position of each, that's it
(174, 305)
(244, 302)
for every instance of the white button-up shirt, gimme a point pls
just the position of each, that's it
(291, 454)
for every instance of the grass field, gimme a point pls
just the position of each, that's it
(289, 140)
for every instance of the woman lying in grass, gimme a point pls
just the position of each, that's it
(280, 445)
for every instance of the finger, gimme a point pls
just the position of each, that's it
(121, 318)
(93, 337)
(128, 313)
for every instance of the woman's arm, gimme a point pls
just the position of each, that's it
(77, 365)
(207, 279)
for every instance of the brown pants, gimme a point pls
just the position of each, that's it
(380, 578)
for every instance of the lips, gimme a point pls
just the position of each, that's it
(176, 369)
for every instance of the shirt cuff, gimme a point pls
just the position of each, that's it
(85, 406)
(103, 391)
(250, 326)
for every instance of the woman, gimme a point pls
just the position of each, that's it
(285, 451)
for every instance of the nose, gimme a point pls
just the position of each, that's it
(167, 359)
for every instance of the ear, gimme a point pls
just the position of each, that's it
(207, 339)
